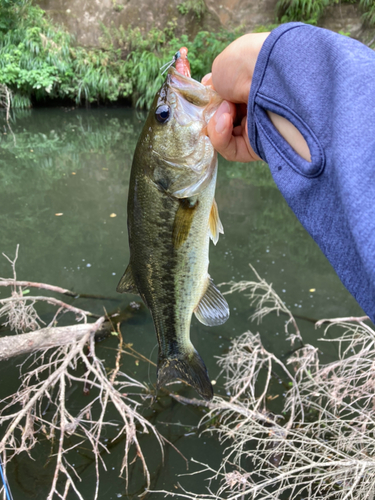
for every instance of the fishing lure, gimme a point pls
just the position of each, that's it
(182, 63)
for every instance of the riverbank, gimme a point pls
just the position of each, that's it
(41, 62)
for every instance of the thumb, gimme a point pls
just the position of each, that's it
(232, 144)
(220, 126)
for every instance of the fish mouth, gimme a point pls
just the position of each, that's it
(190, 89)
(197, 99)
(188, 167)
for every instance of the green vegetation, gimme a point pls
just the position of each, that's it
(197, 7)
(369, 9)
(147, 52)
(39, 60)
(146, 75)
(117, 6)
(301, 10)
(310, 11)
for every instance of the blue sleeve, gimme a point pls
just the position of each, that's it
(324, 83)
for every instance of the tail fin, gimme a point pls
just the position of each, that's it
(190, 368)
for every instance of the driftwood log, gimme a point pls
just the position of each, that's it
(56, 336)
(45, 338)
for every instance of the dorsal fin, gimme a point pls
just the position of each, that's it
(216, 227)
(212, 309)
(126, 284)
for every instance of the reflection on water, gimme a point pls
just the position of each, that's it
(77, 164)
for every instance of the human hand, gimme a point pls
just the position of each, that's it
(231, 77)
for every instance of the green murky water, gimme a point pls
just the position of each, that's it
(77, 164)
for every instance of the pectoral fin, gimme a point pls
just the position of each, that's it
(126, 284)
(212, 309)
(216, 227)
(182, 222)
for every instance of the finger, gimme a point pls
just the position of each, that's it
(220, 130)
(207, 79)
(241, 110)
(237, 131)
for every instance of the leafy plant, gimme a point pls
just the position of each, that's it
(369, 11)
(147, 52)
(310, 11)
(39, 61)
(301, 10)
(197, 7)
(117, 6)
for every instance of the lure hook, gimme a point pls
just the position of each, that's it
(167, 65)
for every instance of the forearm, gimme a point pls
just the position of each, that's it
(322, 83)
(291, 134)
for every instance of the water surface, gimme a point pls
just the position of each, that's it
(76, 163)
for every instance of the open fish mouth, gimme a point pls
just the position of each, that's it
(194, 93)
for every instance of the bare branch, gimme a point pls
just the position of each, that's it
(266, 300)
(51, 300)
(46, 338)
(330, 455)
(64, 291)
(357, 319)
(46, 380)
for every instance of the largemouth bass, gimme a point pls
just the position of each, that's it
(172, 214)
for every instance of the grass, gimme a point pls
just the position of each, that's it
(310, 11)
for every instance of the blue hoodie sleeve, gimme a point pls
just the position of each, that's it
(324, 83)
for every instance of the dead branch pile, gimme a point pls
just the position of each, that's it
(45, 381)
(322, 444)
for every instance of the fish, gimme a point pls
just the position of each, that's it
(172, 214)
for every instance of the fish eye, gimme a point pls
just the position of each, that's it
(162, 113)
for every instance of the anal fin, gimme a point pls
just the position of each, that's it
(212, 309)
(126, 283)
